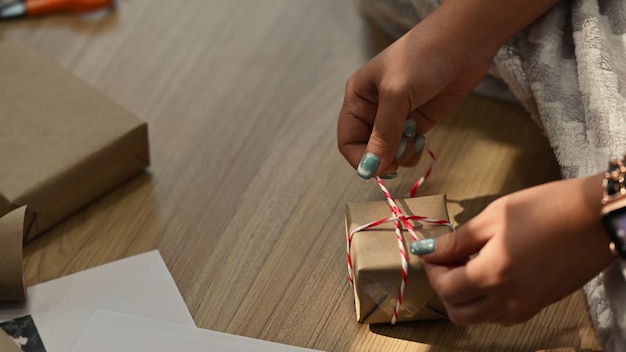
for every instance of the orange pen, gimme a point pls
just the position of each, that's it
(21, 8)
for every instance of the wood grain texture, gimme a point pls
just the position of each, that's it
(245, 197)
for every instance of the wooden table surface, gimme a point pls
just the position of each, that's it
(245, 196)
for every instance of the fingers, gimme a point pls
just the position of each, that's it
(453, 284)
(371, 124)
(516, 319)
(386, 135)
(454, 247)
(468, 301)
(465, 301)
(467, 288)
(410, 148)
(423, 122)
(355, 121)
(458, 280)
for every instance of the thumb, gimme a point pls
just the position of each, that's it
(452, 248)
(385, 137)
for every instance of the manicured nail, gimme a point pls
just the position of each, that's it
(368, 165)
(410, 126)
(401, 148)
(390, 176)
(419, 143)
(424, 246)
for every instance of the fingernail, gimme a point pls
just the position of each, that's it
(368, 165)
(410, 126)
(390, 176)
(401, 148)
(419, 143)
(424, 246)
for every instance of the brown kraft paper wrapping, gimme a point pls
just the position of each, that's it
(7, 344)
(376, 261)
(62, 143)
(11, 274)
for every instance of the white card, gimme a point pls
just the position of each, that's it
(140, 285)
(110, 331)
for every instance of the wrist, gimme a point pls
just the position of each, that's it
(593, 195)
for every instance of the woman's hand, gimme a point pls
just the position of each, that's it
(421, 76)
(534, 247)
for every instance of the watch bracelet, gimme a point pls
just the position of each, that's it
(614, 180)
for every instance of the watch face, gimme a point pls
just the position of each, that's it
(615, 223)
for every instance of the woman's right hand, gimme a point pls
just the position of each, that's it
(533, 247)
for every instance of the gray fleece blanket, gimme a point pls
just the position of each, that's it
(568, 69)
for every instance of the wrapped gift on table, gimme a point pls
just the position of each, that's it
(377, 263)
(62, 143)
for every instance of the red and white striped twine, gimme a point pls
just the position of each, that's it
(399, 220)
(423, 179)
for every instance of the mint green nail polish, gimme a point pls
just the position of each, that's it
(419, 143)
(424, 246)
(410, 126)
(401, 148)
(368, 165)
(390, 176)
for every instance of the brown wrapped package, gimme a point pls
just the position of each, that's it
(376, 261)
(62, 143)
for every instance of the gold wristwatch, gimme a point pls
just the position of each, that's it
(614, 205)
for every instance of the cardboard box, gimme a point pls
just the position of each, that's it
(62, 143)
(376, 261)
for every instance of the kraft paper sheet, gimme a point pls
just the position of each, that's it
(7, 344)
(11, 274)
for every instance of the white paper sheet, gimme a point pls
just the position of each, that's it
(140, 285)
(110, 331)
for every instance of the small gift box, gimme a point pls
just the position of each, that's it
(376, 260)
